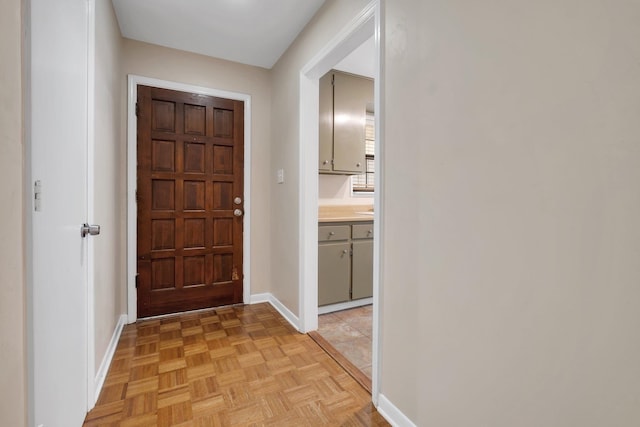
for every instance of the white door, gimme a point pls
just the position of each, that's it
(58, 127)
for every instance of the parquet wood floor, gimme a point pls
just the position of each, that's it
(233, 366)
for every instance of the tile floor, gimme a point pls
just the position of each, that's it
(349, 331)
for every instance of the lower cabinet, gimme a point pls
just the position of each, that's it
(345, 262)
(334, 273)
(362, 269)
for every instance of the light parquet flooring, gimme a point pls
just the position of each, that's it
(233, 366)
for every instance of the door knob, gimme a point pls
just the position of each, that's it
(238, 212)
(237, 200)
(91, 230)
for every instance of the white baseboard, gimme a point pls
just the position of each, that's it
(282, 309)
(392, 414)
(258, 298)
(108, 357)
(344, 305)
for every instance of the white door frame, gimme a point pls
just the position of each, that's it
(132, 156)
(92, 392)
(357, 31)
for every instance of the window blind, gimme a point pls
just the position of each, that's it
(364, 182)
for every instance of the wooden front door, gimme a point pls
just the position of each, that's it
(190, 201)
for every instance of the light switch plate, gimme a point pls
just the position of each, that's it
(280, 176)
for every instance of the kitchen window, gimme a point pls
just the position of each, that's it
(363, 183)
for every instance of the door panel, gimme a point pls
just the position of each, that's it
(58, 153)
(350, 98)
(325, 125)
(334, 273)
(190, 171)
(362, 278)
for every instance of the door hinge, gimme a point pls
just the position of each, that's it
(137, 110)
(137, 280)
(333, 80)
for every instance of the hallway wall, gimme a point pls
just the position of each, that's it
(511, 285)
(285, 81)
(13, 358)
(109, 192)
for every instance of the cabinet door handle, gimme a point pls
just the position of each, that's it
(344, 252)
(332, 233)
(357, 165)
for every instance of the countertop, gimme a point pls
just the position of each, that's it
(350, 213)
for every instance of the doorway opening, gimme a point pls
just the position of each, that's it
(357, 32)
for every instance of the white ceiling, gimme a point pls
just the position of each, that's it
(253, 32)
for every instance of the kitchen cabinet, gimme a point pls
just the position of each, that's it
(334, 261)
(362, 261)
(345, 262)
(343, 108)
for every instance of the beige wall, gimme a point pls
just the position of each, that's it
(110, 182)
(12, 279)
(329, 20)
(511, 286)
(178, 66)
(336, 190)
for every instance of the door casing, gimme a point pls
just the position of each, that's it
(132, 125)
(367, 23)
